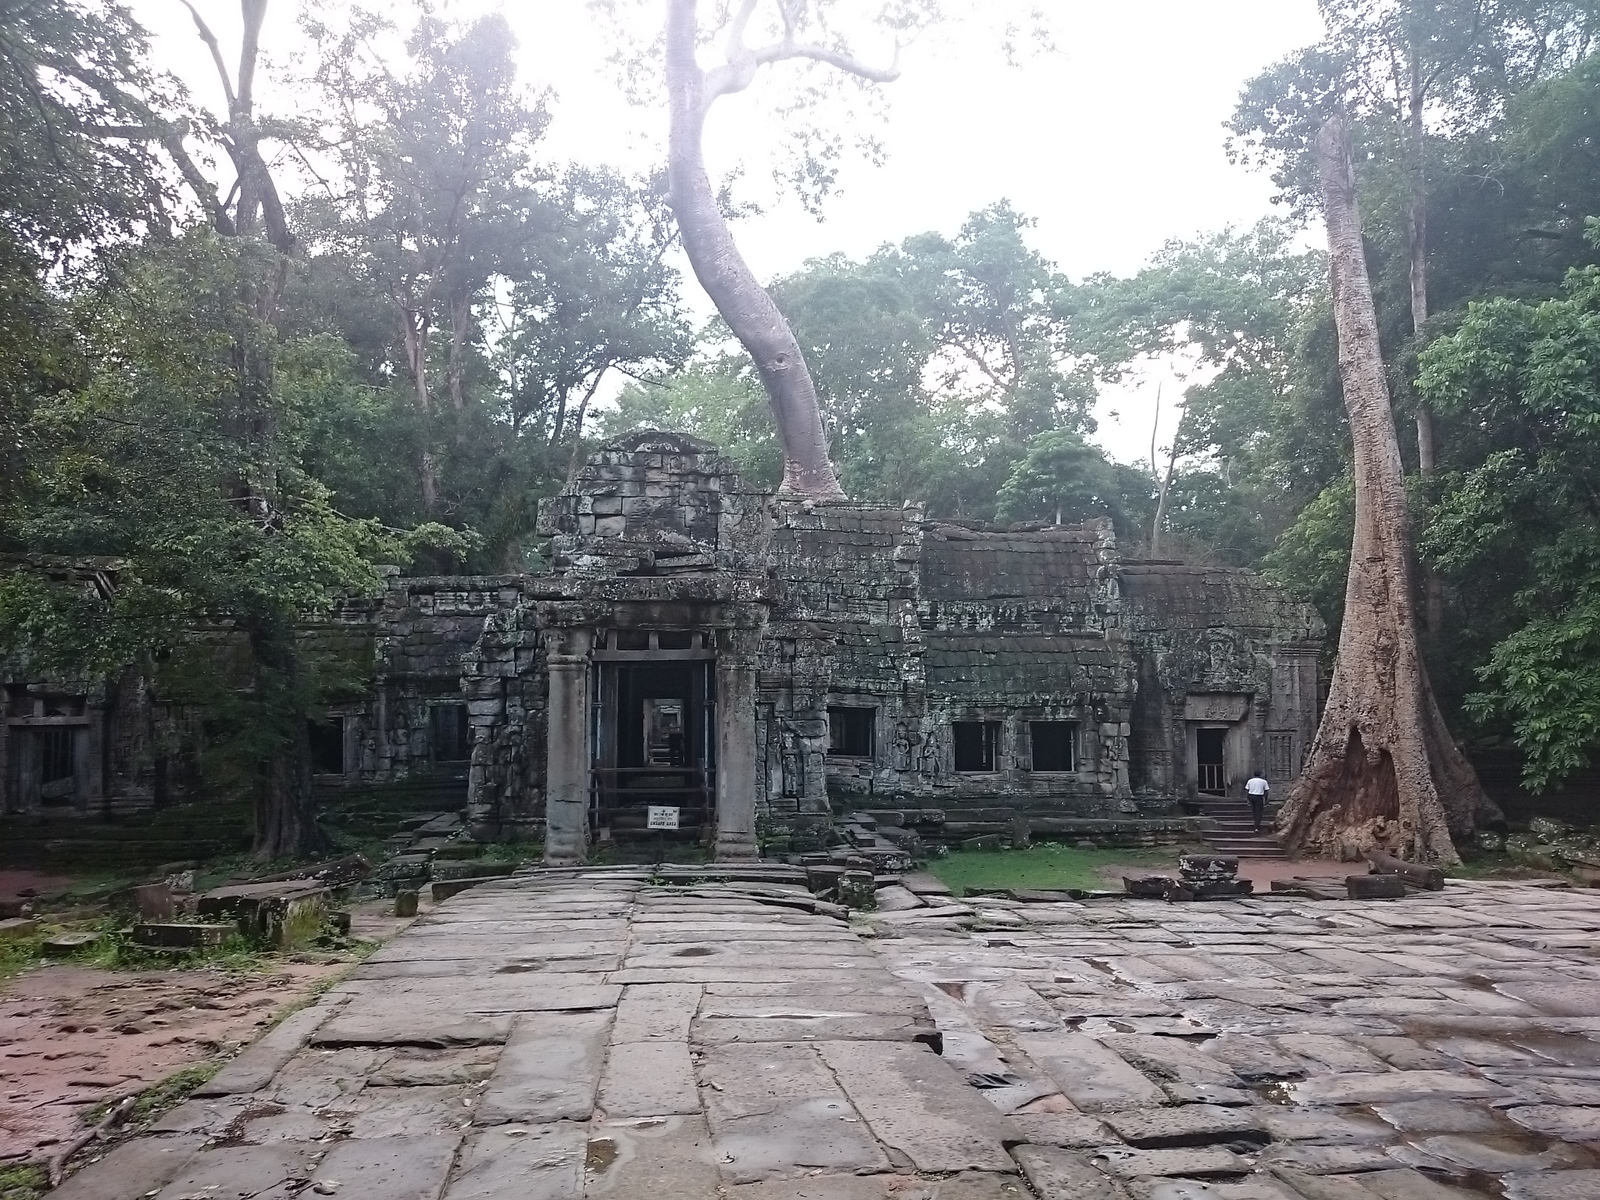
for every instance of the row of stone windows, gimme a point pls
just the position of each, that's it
(852, 733)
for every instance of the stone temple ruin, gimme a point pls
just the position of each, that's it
(757, 663)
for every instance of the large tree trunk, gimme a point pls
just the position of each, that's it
(1417, 253)
(1383, 772)
(728, 280)
(285, 809)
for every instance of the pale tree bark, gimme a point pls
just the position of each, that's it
(285, 809)
(1383, 772)
(722, 271)
(1417, 253)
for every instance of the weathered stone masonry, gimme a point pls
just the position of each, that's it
(756, 662)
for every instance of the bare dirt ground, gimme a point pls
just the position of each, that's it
(73, 1036)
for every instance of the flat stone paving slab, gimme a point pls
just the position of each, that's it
(576, 1034)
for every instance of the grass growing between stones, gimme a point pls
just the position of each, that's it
(24, 1182)
(1045, 866)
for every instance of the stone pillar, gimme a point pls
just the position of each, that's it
(566, 833)
(736, 756)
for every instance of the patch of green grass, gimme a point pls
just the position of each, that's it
(16, 956)
(24, 1182)
(1486, 865)
(1044, 866)
(498, 852)
(118, 952)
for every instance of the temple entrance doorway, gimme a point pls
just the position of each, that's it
(655, 745)
(1211, 761)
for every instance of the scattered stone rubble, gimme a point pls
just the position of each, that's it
(565, 1034)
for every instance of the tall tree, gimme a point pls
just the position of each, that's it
(432, 198)
(1403, 68)
(1383, 772)
(801, 32)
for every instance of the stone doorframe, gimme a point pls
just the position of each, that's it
(569, 755)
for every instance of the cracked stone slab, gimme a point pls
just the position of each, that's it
(1186, 1125)
(971, 1185)
(658, 1157)
(1358, 1088)
(140, 1167)
(387, 1168)
(1198, 1162)
(275, 1172)
(915, 1102)
(1057, 1174)
(647, 1012)
(777, 1112)
(1072, 1130)
(1554, 1185)
(254, 1068)
(412, 1026)
(648, 1079)
(1093, 1077)
(528, 1162)
(549, 1069)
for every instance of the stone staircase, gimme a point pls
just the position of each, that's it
(1235, 833)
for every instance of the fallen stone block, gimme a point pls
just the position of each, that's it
(1375, 887)
(18, 927)
(65, 945)
(182, 935)
(284, 915)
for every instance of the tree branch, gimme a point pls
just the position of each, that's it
(210, 39)
(741, 23)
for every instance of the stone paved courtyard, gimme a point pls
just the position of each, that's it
(588, 1034)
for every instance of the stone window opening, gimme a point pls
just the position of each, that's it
(1054, 745)
(451, 737)
(852, 732)
(327, 746)
(977, 746)
(56, 749)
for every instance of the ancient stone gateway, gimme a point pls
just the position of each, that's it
(704, 646)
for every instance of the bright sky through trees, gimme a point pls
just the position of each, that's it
(1113, 141)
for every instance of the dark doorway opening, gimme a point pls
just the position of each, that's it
(654, 741)
(1211, 761)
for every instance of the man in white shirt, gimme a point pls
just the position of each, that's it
(1257, 788)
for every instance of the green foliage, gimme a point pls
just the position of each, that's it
(1043, 866)
(1523, 521)
(24, 1181)
(1312, 557)
(1063, 479)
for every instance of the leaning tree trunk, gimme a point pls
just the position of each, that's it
(727, 278)
(285, 809)
(1383, 772)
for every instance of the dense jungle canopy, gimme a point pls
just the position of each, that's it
(405, 322)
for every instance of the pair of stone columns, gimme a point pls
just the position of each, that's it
(569, 757)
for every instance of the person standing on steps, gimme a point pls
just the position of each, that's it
(1257, 788)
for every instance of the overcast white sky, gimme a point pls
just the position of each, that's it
(1114, 142)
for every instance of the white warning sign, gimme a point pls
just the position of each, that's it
(662, 817)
